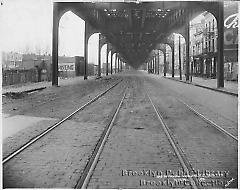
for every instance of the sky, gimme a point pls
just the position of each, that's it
(26, 24)
(26, 27)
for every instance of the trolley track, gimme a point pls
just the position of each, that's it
(34, 139)
(181, 155)
(83, 149)
(182, 148)
(182, 159)
(209, 121)
(89, 169)
(180, 152)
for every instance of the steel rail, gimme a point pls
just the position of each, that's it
(16, 152)
(183, 161)
(89, 169)
(208, 120)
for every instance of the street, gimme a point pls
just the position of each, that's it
(137, 153)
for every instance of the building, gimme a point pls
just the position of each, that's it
(11, 60)
(203, 44)
(21, 68)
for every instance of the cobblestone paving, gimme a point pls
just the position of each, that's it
(220, 108)
(58, 158)
(68, 99)
(136, 148)
(56, 161)
(206, 148)
(137, 153)
(12, 143)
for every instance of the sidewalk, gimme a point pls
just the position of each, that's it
(230, 87)
(28, 87)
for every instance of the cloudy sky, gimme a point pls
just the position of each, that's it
(26, 26)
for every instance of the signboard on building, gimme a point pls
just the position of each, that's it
(66, 66)
(231, 25)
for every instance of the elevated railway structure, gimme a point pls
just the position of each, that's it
(134, 29)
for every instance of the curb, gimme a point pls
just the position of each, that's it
(26, 91)
(214, 89)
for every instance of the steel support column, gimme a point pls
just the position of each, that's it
(118, 65)
(180, 64)
(111, 62)
(115, 63)
(187, 51)
(155, 62)
(158, 62)
(86, 36)
(150, 62)
(99, 57)
(220, 46)
(173, 52)
(148, 65)
(153, 65)
(107, 59)
(165, 63)
(55, 44)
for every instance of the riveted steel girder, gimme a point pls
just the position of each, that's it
(134, 29)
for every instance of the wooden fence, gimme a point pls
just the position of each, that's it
(10, 77)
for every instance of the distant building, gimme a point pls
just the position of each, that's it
(11, 60)
(39, 67)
